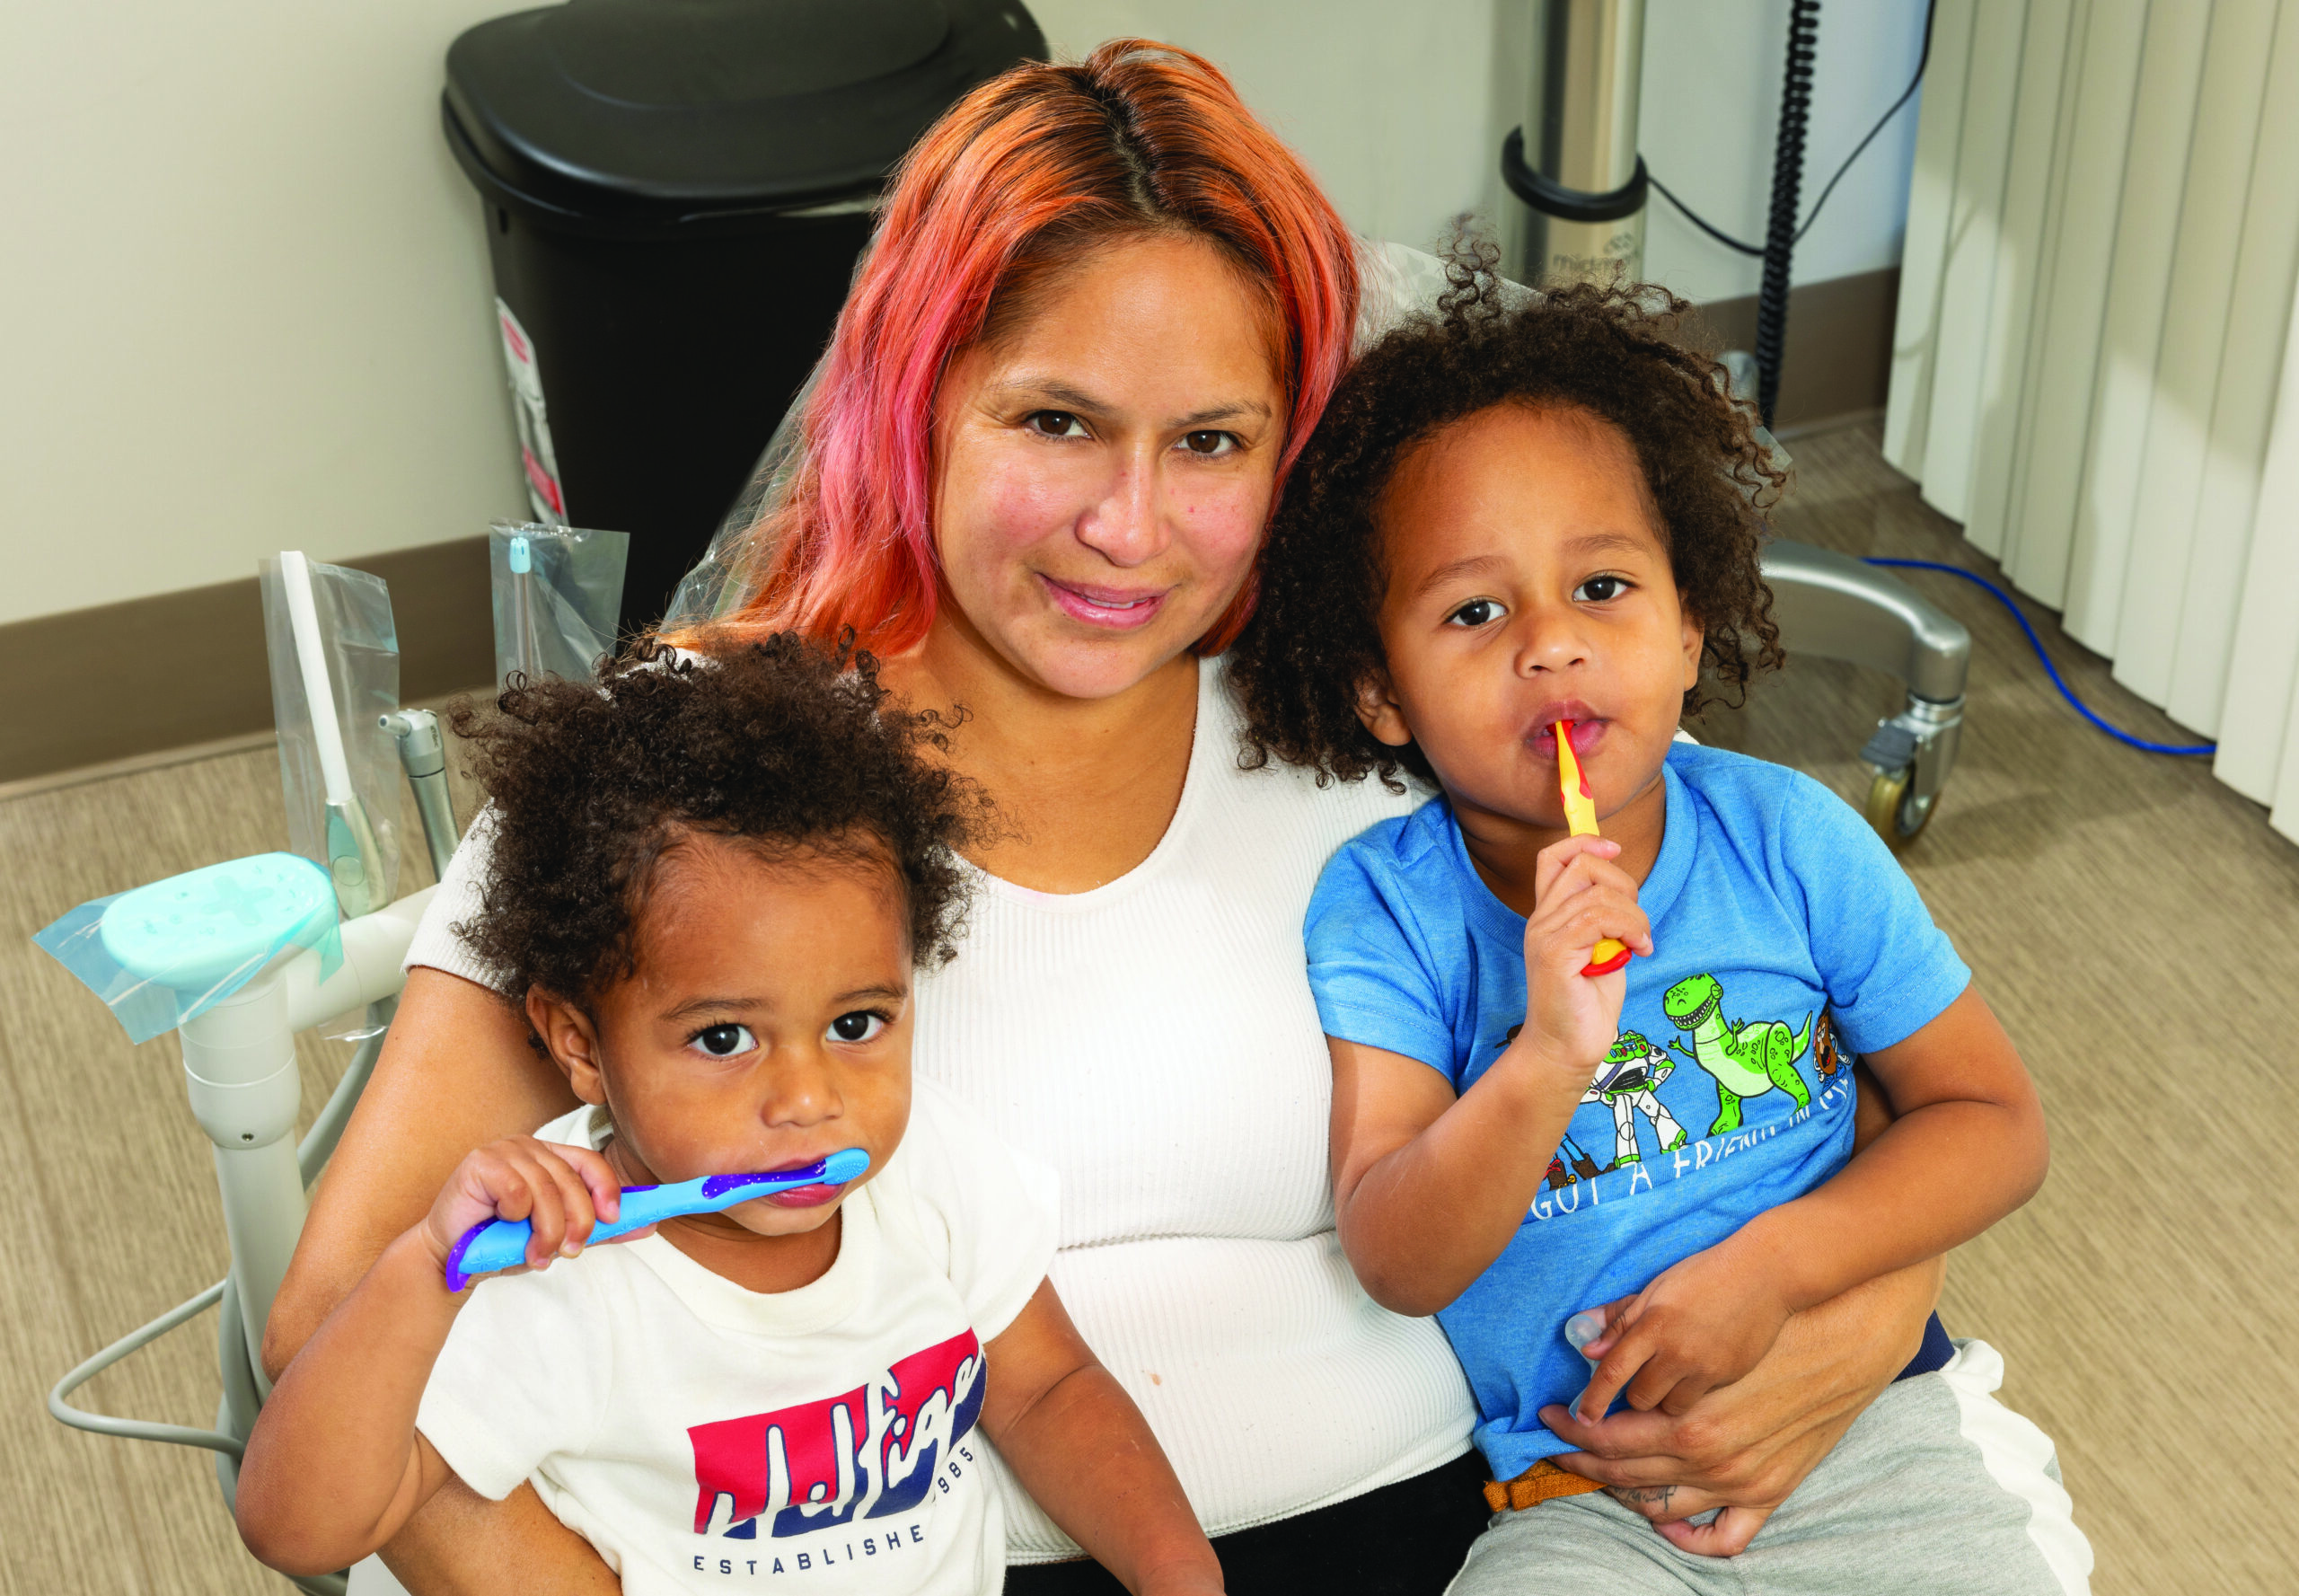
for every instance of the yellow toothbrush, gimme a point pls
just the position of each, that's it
(1580, 817)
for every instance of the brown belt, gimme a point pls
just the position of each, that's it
(1543, 1482)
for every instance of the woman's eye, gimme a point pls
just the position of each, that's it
(858, 1027)
(724, 1041)
(1598, 590)
(1477, 612)
(1209, 442)
(1055, 424)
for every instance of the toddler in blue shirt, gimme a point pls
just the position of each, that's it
(1534, 512)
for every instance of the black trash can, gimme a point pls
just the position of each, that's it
(676, 192)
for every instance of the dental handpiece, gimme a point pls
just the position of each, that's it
(494, 1244)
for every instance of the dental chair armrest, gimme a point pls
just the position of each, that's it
(373, 944)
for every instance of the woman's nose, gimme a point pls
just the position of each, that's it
(1128, 526)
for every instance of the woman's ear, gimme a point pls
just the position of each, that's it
(1377, 706)
(571, 1040)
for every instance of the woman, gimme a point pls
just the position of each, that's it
(1103, 311)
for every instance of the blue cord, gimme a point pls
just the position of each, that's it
(2035, 642)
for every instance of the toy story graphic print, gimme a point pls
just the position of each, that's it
(1725, 1063)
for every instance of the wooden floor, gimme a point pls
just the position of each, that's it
(2135, 923)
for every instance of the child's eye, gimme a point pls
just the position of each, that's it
(1209, 445)
(858, 1027)
(1598, 590)
(1477, 612)
(724, 1041)
(1055, 424)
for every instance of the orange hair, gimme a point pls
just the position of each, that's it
(1030, 171)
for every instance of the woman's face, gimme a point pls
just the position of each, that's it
(1104, 470)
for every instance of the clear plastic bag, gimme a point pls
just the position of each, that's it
(558, 598)
(162, 954)
(334, 676)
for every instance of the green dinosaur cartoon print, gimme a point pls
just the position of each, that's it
(1747, 1059)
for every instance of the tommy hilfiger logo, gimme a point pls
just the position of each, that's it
(869, 1453)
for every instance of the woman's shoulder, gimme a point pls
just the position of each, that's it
(1330, 812)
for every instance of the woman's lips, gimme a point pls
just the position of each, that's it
(1120, 609)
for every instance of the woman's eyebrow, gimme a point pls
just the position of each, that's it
(1059, 394)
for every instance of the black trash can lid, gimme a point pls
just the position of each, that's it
(639, 116)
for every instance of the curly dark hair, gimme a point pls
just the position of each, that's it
(1611, 351)
(782, 744)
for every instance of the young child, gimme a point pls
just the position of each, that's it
(711, 882)
(1533, 511)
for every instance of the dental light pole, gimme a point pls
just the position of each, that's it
(1573, 160)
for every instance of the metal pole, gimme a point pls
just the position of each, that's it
(239, 1063)
(1573, 159)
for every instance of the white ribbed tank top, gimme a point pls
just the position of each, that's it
(1154, 1041)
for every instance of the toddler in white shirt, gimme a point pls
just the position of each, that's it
(711, 882)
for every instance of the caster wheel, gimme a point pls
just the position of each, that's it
(1897, 815)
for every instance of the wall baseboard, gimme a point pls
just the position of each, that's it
(1839, 362)
(133, 679)
(121, 681)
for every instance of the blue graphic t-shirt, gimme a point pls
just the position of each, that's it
(1787, 939)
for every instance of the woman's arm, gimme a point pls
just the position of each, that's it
(455, 1074)
(1084, 1453)
(1746, 1446)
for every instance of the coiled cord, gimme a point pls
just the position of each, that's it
(1787, 175)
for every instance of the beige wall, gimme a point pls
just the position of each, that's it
(244, 297)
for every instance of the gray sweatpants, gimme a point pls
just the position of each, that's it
(1937, 1490)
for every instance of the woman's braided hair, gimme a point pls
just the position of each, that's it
(1611, 351)
(781, 745)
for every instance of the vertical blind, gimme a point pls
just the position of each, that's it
(2092, 370)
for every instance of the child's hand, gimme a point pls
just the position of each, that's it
(559, 1190)
(1579, 897)
(1701, 1324)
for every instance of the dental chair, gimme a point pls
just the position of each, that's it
(240, 1060)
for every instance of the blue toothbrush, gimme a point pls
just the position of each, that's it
(495, 1244)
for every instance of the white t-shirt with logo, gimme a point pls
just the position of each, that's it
(705, 1437)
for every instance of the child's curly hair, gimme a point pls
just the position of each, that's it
(1604, 349)
(779, 744)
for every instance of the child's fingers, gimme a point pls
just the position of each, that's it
(1567, 941)
(598, 1176)
(1557, 857)
(1613, 1373)
(546, 1203)
(573, 1198)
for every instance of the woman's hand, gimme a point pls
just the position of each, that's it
(1745, 1447)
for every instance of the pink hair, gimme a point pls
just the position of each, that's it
(1030, 171)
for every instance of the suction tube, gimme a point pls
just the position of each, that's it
(1787, 176)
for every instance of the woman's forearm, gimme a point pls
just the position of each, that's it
(334, 1466)
(455, 1074)
(461, 1544)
